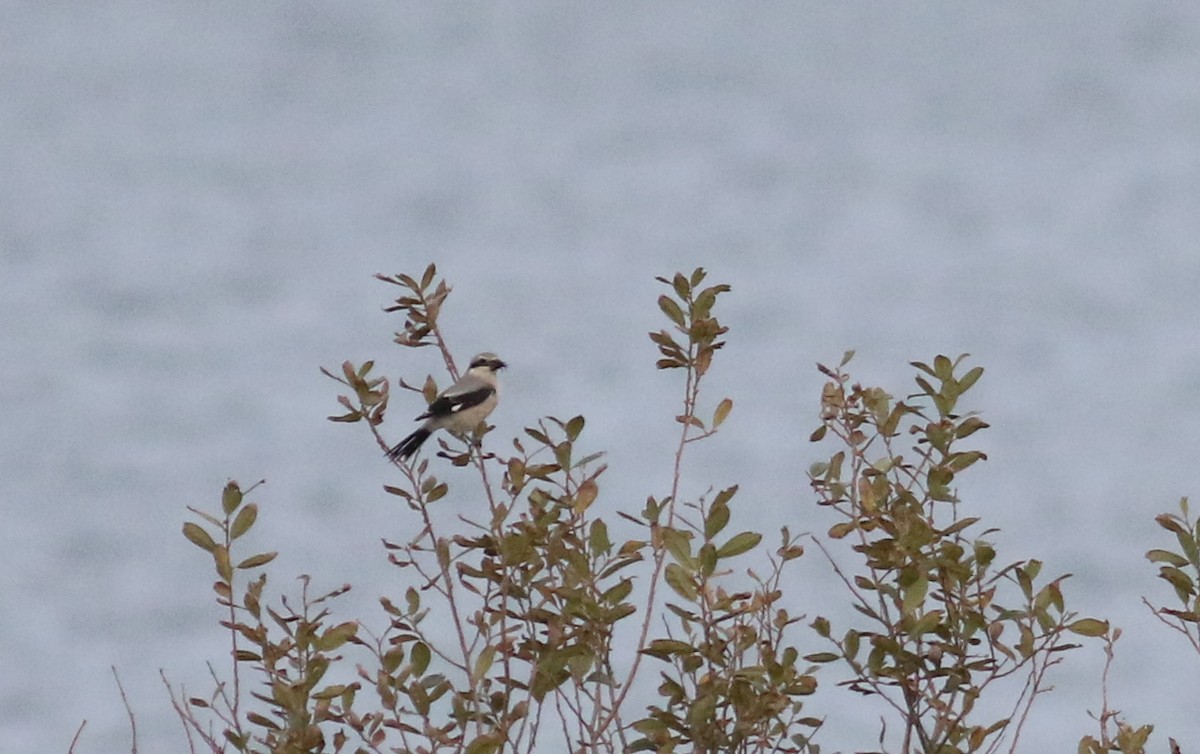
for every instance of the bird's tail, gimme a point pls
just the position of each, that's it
(406, 447)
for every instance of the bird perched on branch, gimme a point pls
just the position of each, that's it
(459, 408)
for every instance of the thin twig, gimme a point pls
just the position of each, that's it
(691, 391)
(1181, 627)
(128, 710)
(75, 738)
(189, 722)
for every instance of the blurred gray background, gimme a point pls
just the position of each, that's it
(195, 197)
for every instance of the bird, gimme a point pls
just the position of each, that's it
(459, 408)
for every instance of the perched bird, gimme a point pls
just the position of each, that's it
(460, 408)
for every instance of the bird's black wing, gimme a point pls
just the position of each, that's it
(445, 405)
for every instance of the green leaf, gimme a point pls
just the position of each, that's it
(969, 426)
(940, 478)
(739, 543)
(420, 698)
(821, 626)
(679, 580)
(679, 544)
(926, 388)
(244, 520)
(718, 517)
(702, 713)
(681, 285)
(1089, 745)
(1185, 588)
(664, 649)
(516, 473)
(1170, 523)
(254, 561)
(1089, 627)
(927, 623)
(220, 555)
(419, 656)
(598, 541)
(437, 492)
(708, 559)
(840, 530)
(672, 310)
(562, 455)
(574, 427)
(198, 536)
(914, 594)
(1166, 556)
(618, 593)
(666, 344)
(539, 436)
(1033, 568)
(725, 495)
(942, 368)
(704, 302)
(330, 692)
(923, 367)
(969, 379)
(1026, 645)
(723, 409)
(1134, 739)
(585, 495)
(483, 663)
(429, 389)
(959, 525)
(984, 554)
(1187, 543)
(850, 644)
(231, 498)
(960, 461)
(336, 636)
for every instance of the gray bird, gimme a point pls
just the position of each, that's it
(460, 408)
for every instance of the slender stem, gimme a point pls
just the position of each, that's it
(235, 703)
(480, 461)
(691, 390)
(441, 344)
(128, 711)
(75, 738)
(1177, 625)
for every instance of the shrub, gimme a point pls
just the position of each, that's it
(512, 633)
